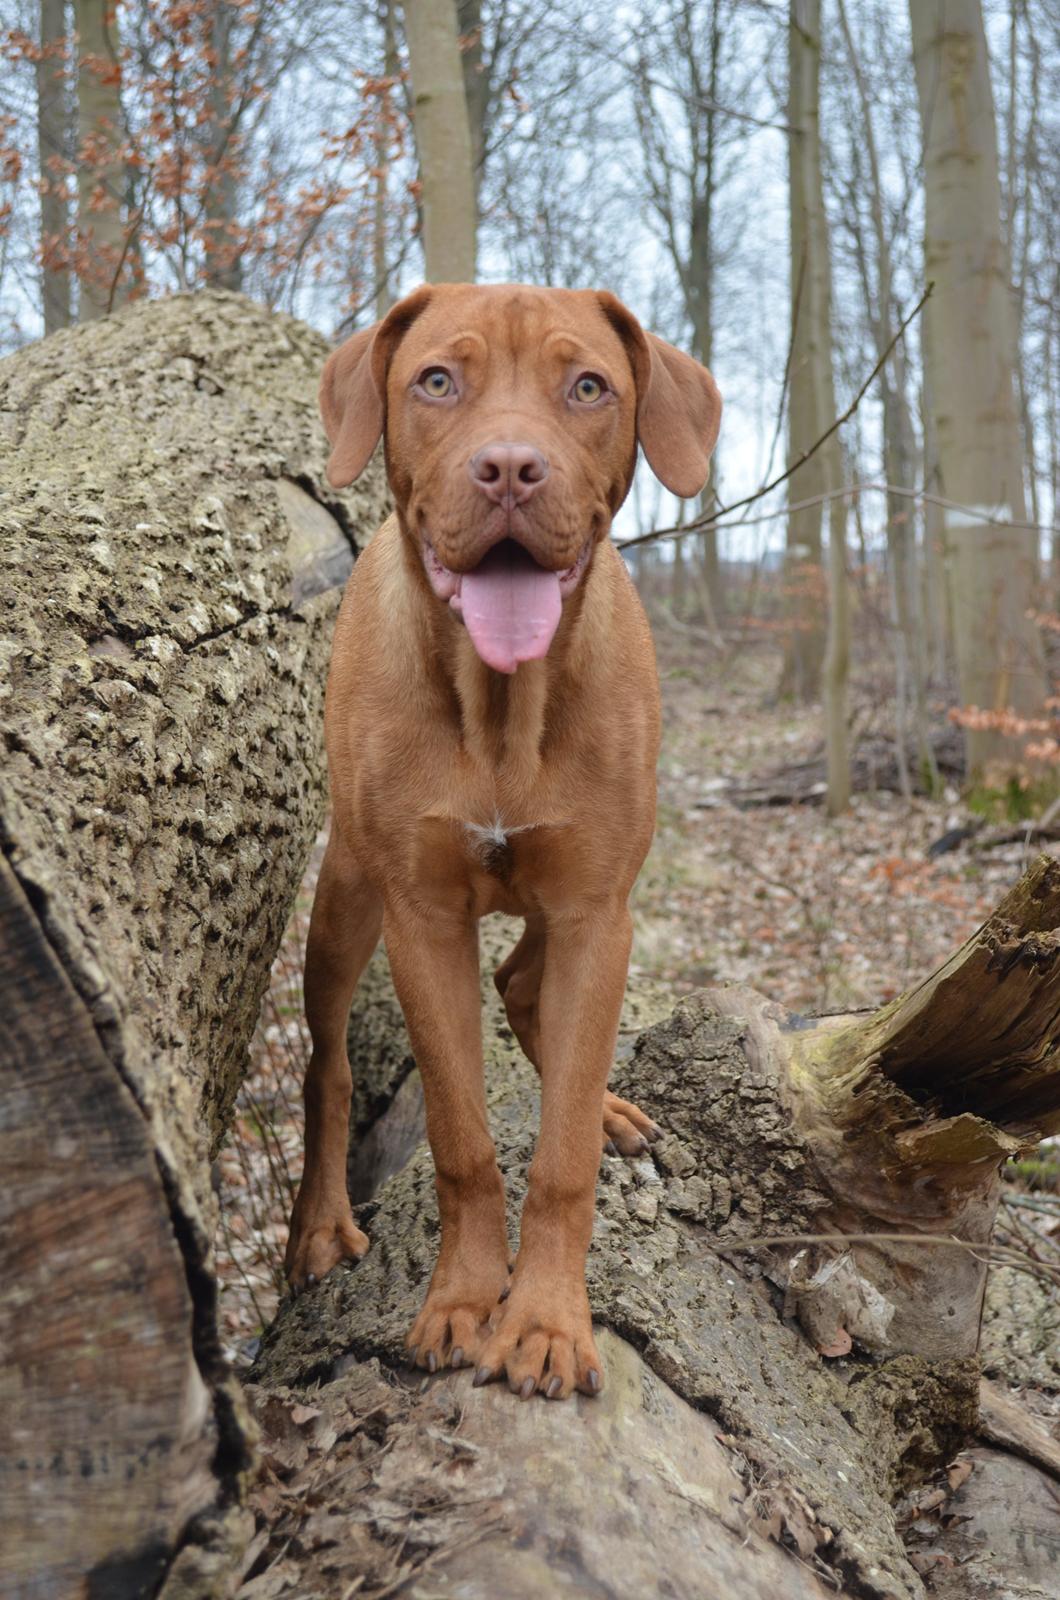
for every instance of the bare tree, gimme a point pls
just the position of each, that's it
(382, 139)
(969, 350)
(52, 103)
(443, 140)
(681, 63)
(220, 200)
(100, 168)
(810, 377)
(875, 271)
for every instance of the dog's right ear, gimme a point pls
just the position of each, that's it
(353, 389)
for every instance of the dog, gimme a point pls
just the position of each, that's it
(492, 729)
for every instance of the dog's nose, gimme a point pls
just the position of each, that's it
(508, 472)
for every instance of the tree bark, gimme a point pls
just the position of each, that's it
(817, 656)
(52, 93)
(476, 75)
(443, 141)
(968, 347)
(100, 171)
(898, 452)
(793, 1283)
(171, 562)
(224, 268)
(382, 139)
(810, 295)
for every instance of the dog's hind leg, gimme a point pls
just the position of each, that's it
(518, 980)
(627, 1130)
(343, 932)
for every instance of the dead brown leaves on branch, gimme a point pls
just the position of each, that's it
(186, 141)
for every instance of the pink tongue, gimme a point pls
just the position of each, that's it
(511, 607)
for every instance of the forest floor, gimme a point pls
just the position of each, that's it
(820, 915)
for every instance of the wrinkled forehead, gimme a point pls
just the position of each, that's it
(504, 333)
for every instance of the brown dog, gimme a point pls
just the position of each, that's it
(492, 728)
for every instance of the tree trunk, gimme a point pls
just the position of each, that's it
(101, 229)
(837, 653)
(811, 410)
(443, 140)
(936, 591)
(52, 146)
(171, 564)
(804, 651)
(476, 84)
(968, 345)
(382, 139)
(224, 269)
(898, 449)
(792, 1282)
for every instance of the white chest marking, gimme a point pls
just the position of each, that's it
(488, 838)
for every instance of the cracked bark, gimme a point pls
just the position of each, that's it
(172, 557)
(845, 1127)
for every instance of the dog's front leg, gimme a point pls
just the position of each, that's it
(543, 1340)
(434, 962)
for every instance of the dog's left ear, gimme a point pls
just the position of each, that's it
(678, 404)
(353, 389)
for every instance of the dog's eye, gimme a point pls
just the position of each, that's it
(437, 383)
(588, 388)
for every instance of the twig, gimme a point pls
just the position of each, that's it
(998, 1255)
(713, 516)
(865, 486)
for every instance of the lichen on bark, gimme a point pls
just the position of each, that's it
(170, 565)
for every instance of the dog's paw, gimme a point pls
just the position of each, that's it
(453, 1325)
(543, 1344)
(628, 1131)
(314, 1248)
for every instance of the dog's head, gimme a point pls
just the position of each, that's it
(511, 418)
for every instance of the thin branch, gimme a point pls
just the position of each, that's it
(997, 1255)
(864, 487)
(759, 494)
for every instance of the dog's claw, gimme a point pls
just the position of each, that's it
(432, 1361)
(457, 1357)
(554, 1387)
(483, 1375)
(527, 1388)
(310, 1280)
(594, 1380)
(655, 1132)
(611, 1148)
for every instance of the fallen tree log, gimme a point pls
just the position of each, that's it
(873, 767)
(793, 1280)
(171, 562)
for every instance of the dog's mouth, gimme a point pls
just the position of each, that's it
(510, 605)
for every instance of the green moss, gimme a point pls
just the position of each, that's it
(1040, 1171)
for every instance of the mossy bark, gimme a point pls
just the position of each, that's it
(170, 566)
